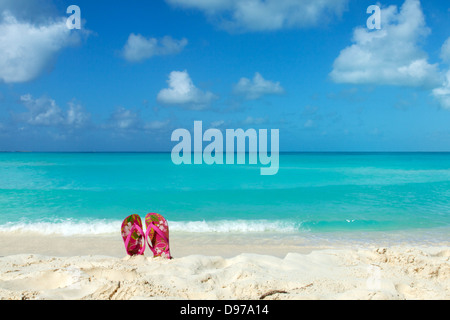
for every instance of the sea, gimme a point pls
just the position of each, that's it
(340, 196)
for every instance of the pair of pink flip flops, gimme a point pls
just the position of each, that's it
(156, 235)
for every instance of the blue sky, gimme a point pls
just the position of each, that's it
(137, 70)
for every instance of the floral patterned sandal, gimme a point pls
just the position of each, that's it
(158, 234)
(132, 235)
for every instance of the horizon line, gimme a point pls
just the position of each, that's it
(280, 152)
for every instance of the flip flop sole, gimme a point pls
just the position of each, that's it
(159, 235)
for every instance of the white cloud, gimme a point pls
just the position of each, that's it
(182, 91)
(156, 125)
(217, 123)
(26, 49)
(445, 51)
(390, 56)
(265, 15)
(42, 111)
(127, 120)
(139, 48)
(76, 116)
(257, 87)
(31, 11)
(124, 119)
(45, 112)
(442, 94)
(309, 123)
(254, 121)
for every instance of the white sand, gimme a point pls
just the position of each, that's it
(70, 269)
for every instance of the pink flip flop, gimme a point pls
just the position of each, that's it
(158, 235)
(132, 235)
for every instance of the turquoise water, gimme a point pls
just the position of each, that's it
(85, 193)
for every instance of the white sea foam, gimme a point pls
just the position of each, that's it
(248, 227)
(224, 226)
(99, 227)
(65, 228)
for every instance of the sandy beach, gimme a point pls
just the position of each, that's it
(97, 268)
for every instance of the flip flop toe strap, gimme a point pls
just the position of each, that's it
(160, 233)
(127, 241)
